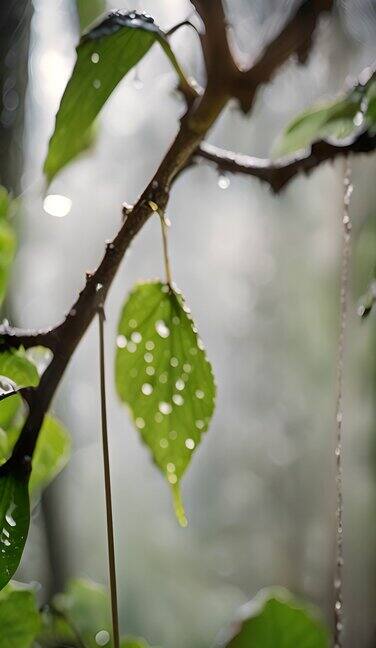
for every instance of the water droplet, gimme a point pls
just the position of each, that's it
(57, 205)
(136, 337)
(148, 357)
(132, 323)
(149, 345)
(178, 399)
(147, 389)
(98, 287)
(150, 371)
(95, 57)
(176, 320)
(180, 384)
(153, 205)
(190, 444)
(72, 312)
(97, 84)
(223, 181)
(200, 424)
(165, 408)
(158, 417)
(140, 423)
(131, 347)
(174, 362)
(187, 367)
(172, 479)
(199, 393)
(121, 341)
(9, 515)
(162, 329)
(163, 377)
(193, 351)
(170, 467)
(102, 638)
(163, 443)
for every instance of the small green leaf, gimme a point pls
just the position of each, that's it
(17, 368)
(7, 242)
(19, 617)
(274, 620)
(51, 454)
(338, 119)
(14, 520)
(83, 612)
(163, 375)
(85, 605)
(9, 407)
(105, 55)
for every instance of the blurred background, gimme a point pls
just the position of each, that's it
(261, 274)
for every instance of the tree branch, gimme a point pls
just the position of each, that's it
(279, 173)
(295, 38)
(223, 79)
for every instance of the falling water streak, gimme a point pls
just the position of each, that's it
(344, 285)
(107, 482)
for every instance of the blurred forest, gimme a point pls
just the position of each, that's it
(261, 274)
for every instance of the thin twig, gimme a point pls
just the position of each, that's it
(344, 289)
(107, 482)
(280, 172)
(166, 256)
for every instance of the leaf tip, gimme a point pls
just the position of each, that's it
(178, 505)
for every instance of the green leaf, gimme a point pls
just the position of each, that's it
(105, 55)
(163, 375)
(17, 368)
(51, 454)
(14, 520)
(82, 611)
(85, 605)
(7, 242)
(338, 119)
(9, 408)
(19, 617)
(274, 620)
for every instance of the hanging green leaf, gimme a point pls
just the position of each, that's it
(338, 119)
(16, 367)
(19, 617)
(51, 454)
(274, 620)
(9, 408)
(14, 520)
(105, 55)
(7, 242)
(163, 375)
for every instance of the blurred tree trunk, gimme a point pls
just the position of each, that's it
(15, 17)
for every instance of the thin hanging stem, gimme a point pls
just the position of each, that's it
(344, 289)
(164, 226)
(107, 482)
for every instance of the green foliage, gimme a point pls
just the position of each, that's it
(19, 617)
(7, 242)
(338, 119)
(15, 366)
(14, 520)
(275, 620)
(51, 454)
(163, 375)
(82, 613)
(105, 55)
